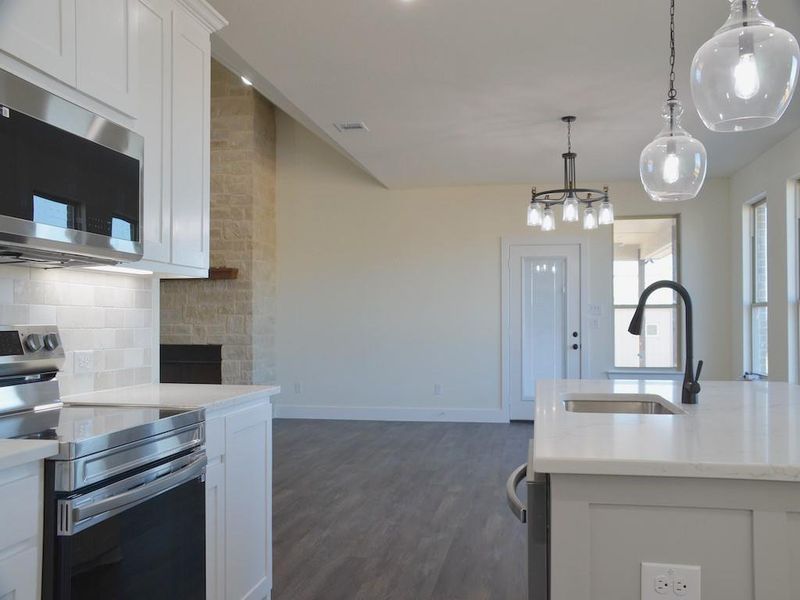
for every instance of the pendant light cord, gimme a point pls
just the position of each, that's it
(672, 94)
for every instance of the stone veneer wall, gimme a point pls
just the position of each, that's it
(239, 314)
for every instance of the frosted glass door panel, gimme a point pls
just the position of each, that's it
(544, 327)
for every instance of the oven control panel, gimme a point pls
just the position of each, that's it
(28, 349)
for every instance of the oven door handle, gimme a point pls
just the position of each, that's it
(72, 514)
(514, 503)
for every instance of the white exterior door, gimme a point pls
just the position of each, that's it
(543, 321)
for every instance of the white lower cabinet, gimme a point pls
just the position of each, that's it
(239, 503)
(21, 499)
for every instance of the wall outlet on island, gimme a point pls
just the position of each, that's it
(437, 389)
(298, 387)
(661, 580)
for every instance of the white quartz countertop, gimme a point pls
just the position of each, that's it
(177, 395)
(738, 430)
(19, 452)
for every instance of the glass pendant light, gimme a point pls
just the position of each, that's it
(569, 212)
(548, 220)
(673, 166)
(606, 215)
(744, 77)
(590, 218)
(534, 214)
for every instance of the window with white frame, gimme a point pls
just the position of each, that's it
(759, 339)
(646, 251)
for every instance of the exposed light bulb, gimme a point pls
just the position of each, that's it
(745, 77)
(570, 210)
(534, 214)
(606, 216)
(672, 168)
(548, 220)
(590, 218)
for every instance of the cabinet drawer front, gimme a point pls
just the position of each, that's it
(19, 575)
(20, 516)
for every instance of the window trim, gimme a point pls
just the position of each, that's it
(754, 304)
(678, 342)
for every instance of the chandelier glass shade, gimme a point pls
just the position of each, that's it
(744, 77)
(570, 198)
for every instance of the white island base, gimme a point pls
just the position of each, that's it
(745, 535)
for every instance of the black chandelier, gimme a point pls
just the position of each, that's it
(570, 197)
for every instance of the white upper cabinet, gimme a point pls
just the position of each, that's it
(155, 76)
(147, 65)
(191, 95)
(40, 33)
(107, 52)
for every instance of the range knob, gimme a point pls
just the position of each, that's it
(51, 341)
(33, 342)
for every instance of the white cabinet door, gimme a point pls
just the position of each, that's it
(40, 33)
(191, 92)
(155, 75)
(248, 466)
(107, 52)
(19, 576)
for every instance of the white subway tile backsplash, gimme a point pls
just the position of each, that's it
(108, 314)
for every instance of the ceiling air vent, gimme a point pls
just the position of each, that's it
(351, 126)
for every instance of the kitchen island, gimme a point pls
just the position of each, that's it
(716, 485)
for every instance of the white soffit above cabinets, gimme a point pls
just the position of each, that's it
(460, 93)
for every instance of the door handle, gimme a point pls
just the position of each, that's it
(514, 503)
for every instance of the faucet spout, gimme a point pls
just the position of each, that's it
(691, 385)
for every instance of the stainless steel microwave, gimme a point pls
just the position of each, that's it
(70, 182)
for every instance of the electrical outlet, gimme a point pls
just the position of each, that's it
(298, 387)
(437, 389)
(660, 580)
(83, 362)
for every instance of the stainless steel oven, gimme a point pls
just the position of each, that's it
(139, 537)
(535, 514)
(124, 497)
(70, 181)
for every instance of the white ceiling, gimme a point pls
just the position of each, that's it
(471, 91)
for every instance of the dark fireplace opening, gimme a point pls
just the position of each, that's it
(191, 363)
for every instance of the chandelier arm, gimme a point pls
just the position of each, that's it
(596, 196)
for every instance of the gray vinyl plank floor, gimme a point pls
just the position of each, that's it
(396, 511)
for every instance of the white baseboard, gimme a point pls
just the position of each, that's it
(379, 413)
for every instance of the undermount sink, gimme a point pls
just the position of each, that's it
(636, 404)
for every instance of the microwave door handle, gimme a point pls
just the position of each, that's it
(130, 498)
(514, 503)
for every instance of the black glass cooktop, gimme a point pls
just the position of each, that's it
(85, 429)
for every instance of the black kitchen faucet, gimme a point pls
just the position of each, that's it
(691, 387)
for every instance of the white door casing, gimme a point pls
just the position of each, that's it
(541, 307)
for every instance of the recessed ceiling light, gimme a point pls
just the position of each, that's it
(246, 81)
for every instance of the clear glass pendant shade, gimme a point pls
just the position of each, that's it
(744, 77)
(606, 214)
(534, 214)
(570, 209)
(673, 165)
(548, 219)
(590, 218)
